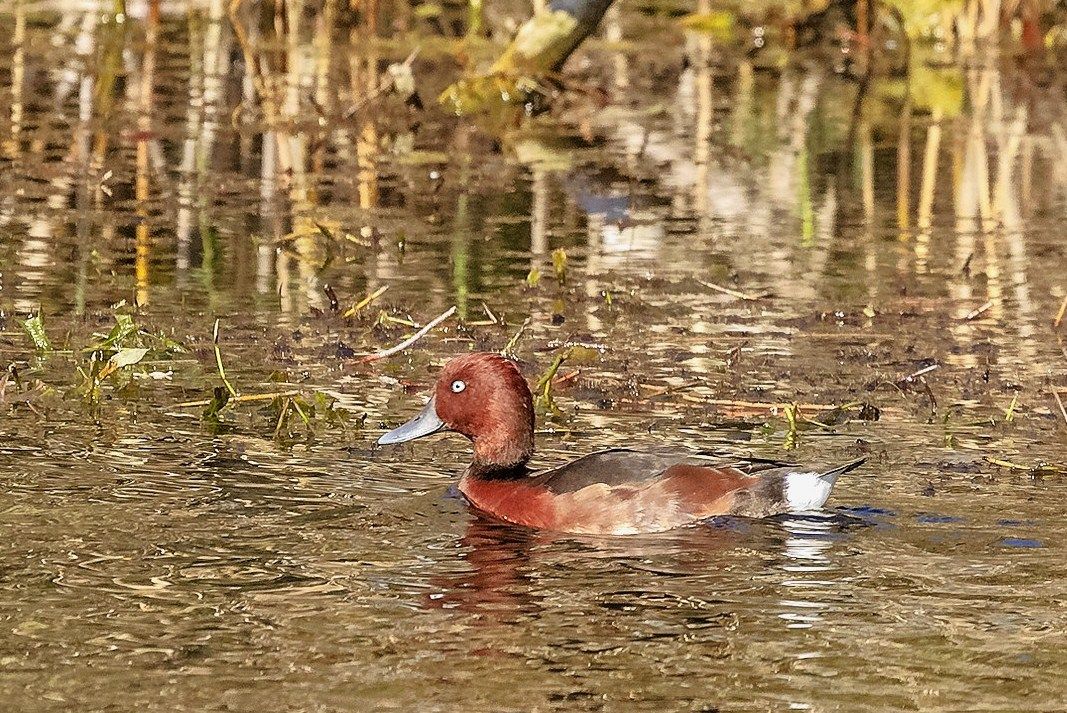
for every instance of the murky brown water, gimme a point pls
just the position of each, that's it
(151, 560)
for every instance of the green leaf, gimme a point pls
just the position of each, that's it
(122, 358)
(127, 357)
(323, 401)
(124, 327)
(34, 327)
(326, 407)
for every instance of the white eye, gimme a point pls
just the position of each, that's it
(458, 386)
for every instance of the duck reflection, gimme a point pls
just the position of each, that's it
(810, 583)
(496, 580)
(505, 563)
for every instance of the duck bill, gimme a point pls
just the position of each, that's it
(425, 424)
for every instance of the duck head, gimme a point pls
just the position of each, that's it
(485, 397)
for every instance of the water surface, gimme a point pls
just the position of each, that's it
(903, 250)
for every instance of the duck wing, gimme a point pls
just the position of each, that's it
(629, 467)
(614, 468)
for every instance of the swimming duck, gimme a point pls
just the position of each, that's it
(619, 491)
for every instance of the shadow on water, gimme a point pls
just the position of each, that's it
(806, 237)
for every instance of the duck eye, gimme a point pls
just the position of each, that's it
(458, 386)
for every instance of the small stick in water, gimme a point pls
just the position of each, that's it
(734, 293)
(218, 360)
(920, 372)
(410, 340)
(1059, 315)
(1059, 402)
(976, 312)
(241, 399)
(355, 309)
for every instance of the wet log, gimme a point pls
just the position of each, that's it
(539, 49)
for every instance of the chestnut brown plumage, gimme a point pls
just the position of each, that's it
(619, 491)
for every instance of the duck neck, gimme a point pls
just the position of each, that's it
(501, 453)
(481, 472)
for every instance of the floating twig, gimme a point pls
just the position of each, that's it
(303, 416)
(920, 372)
(868, 336)
(1005, 463)
(493, 319)
(1039, 468)
(357, 307)
(1009, 414)
(734, 293)
(281, 416)
(241, 399)
(386, 318)
(664, 390)
(976, 312)
(1059, 315)
(1059, 402)
(410, 340)
(567, 378)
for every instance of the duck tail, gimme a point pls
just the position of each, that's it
(843, 468)
(808, 490)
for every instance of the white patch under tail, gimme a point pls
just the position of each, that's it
(806, 491)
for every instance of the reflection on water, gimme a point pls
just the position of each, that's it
(740, 233)
(808, 550)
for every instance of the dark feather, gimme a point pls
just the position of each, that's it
(618, 466)
(623, 466)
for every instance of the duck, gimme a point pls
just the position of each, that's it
(619, 491)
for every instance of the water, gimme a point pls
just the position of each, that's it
(155, 560)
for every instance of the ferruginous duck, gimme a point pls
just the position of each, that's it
(614, 492)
